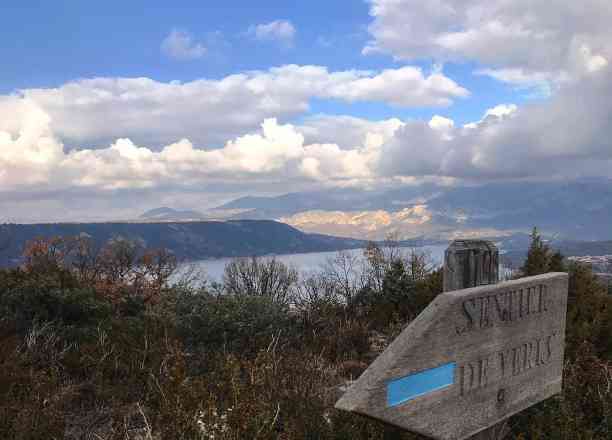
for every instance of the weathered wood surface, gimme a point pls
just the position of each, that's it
(504, 344)
(470, 263)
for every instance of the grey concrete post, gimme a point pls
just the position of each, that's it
(471, 263)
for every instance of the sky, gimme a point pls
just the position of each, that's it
(111, 108)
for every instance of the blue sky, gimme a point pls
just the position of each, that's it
(131, 105)
(56, 42)
(74, 39)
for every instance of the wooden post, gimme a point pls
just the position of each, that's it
(471, 263)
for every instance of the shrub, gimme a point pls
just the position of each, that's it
(79, 307)
(228, 322)
(260, 277)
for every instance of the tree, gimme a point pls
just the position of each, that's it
(342, 272)
(44, 254)
(556, 263)
(379, 260)
(589, 312)
(84, 256)
(260, 277)
(118, 259)
(540, 258)
(375, 266)
(155, 267)
(398, 288)
(43, 261)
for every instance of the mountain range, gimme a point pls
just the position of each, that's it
(578, 210)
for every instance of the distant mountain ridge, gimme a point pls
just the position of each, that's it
(187, 240)
(578, 210)
(170, 214)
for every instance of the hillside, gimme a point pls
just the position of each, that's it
(188, 240)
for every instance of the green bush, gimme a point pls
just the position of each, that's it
(228, 322)
(80, 307)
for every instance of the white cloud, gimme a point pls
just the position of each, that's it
(391, 85)
(180, 45)
(438, 122)
(282, 31)
(348, 132)
(32, 159)
(496, 113)
(501, 110)
(211, 111)
(564, 136)
(521, 40)
(541, 82)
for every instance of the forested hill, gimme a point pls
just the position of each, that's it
(188, 241)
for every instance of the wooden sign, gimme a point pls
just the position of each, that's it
(472, 358)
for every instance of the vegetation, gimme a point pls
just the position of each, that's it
(584, 410)
(540, 258)
(96, 344)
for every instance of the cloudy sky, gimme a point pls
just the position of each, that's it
(110, 108)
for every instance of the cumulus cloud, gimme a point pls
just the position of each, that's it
(542, 83)
(567, 135)
(281, 31)
(33, 159)
(348, 132)
(533, 40)
(390, 86)
(438, 122)
(180, 45)
(564, 136)
(208, 112)
(563, 133)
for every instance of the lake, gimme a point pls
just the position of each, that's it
(304, 263)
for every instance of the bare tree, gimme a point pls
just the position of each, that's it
(314, 289)
(342, 271)
(84, 258)
(374, 266)
(153, 270)
(379, 259)
(260, 277)
(43, 254)
(118, 259)
(418, 264)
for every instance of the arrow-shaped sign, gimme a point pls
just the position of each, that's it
(473, 357)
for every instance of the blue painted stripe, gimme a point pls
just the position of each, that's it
(424, 382)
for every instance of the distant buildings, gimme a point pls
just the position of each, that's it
(599, 263)
(602, 266)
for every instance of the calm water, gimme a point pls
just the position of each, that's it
(309, 262)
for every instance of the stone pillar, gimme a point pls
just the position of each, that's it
(470, 263)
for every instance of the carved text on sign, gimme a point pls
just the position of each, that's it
(502, 364)
(503, 307)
